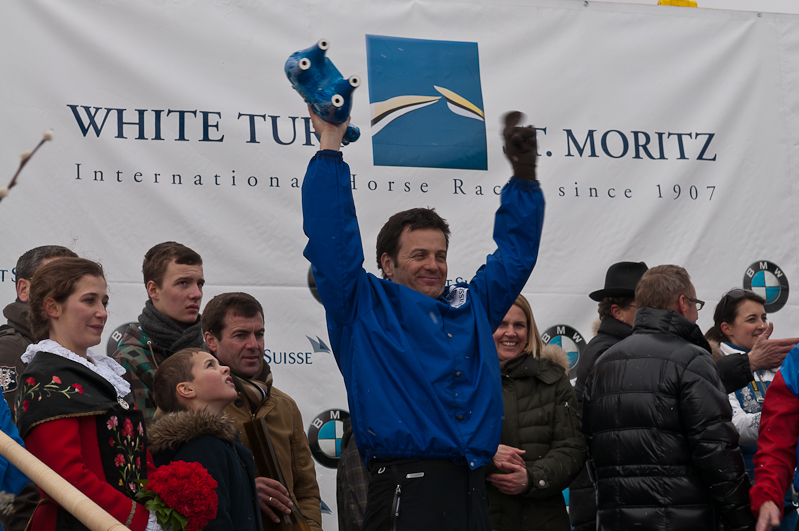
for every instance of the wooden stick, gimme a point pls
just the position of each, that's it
(92, 515)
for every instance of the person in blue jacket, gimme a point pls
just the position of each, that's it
(417, 356)
(11, 479)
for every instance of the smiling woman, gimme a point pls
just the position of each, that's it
(541, 434)
(77, 401)
(738, 321)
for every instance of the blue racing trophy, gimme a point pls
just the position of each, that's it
(322, 86)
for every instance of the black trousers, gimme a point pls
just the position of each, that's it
(421, 494)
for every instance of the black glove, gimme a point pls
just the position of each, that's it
(520, 147)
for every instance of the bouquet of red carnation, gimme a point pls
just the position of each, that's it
(182, 495)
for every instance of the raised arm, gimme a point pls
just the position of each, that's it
(334, 240)
(517, 226)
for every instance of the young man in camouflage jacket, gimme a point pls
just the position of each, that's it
(170, 320)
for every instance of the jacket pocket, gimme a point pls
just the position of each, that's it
(571, 419)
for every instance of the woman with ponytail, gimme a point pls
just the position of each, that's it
(739, 319)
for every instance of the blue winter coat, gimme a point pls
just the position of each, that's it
(422, 374)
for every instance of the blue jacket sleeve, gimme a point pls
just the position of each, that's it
(517, 233)
(334, 241)
(11, 479)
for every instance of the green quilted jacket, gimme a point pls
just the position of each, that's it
(540, 418)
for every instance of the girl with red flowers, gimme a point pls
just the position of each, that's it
(74, 409)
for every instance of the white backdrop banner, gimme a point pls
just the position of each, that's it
(666, 135)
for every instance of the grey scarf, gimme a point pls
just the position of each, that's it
(166, 333)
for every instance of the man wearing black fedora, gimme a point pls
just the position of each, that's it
(616, 312)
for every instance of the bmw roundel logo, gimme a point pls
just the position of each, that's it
(567, 338)
(324, 436)
(116, 335)
(769, 281)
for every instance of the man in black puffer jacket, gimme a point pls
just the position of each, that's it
(616, 313)
(663, 450)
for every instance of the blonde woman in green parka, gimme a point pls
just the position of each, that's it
(540, 431)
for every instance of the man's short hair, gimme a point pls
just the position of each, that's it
(661, 287)
(607, 303)
(159, 257)
(216, 311)
(415, 218)
(32, 260)
(176, 369)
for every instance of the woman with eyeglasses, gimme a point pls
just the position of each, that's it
(740, 318)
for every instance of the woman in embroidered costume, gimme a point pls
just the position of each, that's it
(194, 389)
(74, 409)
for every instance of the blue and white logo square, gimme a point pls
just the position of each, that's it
(426, 103)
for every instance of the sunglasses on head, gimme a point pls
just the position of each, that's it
(734, 294)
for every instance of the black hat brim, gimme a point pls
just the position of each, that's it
(611, 292)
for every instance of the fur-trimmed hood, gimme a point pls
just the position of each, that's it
(548, 367)
(715, 349)
(174, 430)
(556, 355)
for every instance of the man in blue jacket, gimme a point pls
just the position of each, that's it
(417, 356)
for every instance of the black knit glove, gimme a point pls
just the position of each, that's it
(520, 146)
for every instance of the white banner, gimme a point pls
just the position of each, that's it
(666, 135)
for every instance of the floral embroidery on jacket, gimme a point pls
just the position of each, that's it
(128, 440)
(31, 389)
